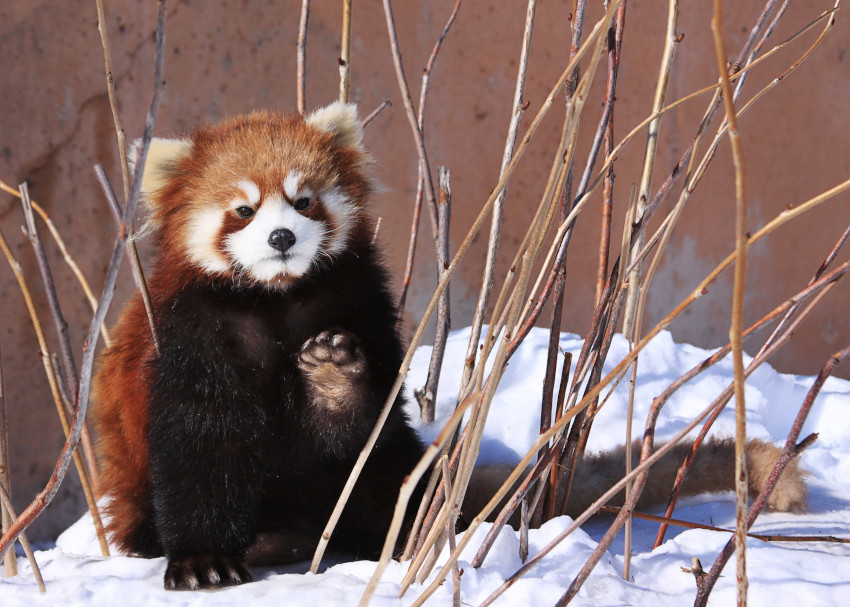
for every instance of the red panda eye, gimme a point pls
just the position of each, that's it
(302, 203)
(244, 212)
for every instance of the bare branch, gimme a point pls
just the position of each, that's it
(301, 56)
(345, 51)
(427, 397)
(10, 564)
(374, 114)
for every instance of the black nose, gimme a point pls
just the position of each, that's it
(282, 240)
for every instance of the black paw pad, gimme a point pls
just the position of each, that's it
(204, 571)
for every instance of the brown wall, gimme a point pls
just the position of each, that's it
(229, 57)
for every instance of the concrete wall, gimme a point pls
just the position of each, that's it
(229, 57)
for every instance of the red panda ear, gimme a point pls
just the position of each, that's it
(341, 120)
(163, 155)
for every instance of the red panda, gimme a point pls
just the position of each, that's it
(278, 346)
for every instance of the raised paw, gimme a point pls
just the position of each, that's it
(204, 571)
(334, 367)
(336, 347)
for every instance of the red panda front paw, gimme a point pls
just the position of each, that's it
(334, 366)
(204, 571)
(338, 348)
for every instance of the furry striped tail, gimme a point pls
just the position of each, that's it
(712, 471)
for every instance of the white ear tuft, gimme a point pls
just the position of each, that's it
(340, 119)
(163, 154)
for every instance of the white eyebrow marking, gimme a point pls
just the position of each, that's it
(291, 184)
(250, 189)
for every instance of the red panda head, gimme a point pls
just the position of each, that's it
(261, 198)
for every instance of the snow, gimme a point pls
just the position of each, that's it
(780, 573)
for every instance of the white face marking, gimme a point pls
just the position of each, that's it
(203, 230)
(292, 183)
(252, 252)
(343, 212)
(250, 189)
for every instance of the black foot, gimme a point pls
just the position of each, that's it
(205, 571)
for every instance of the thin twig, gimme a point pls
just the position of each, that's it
(10, 563)
(671, 40)
(631, 314)
(133, 254)
(113, 98)
(345, 52)
(301, 56)
(427, 397)
(6, 502)
(827, 539)
(615, 42)
(740, 286)
(440, 234)
(374, 114)
(450, 531)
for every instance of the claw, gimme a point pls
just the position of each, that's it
(204, 571)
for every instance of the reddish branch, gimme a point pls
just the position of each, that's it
(615, 41)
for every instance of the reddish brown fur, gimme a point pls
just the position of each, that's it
(121, 391)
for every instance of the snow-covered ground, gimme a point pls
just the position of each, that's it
(780, 573)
